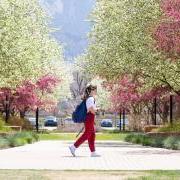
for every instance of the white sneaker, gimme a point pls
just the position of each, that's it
(72, 150)
(94, 154)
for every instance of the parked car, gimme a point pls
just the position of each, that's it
(126, 122)
(106, 123)
(32, 121)
(50, 121)
(68, 119)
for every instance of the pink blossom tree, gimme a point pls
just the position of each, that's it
(167, 33)
(29, 96)
(125, 95)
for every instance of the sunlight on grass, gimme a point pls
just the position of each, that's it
(72, 136)
(105, 175)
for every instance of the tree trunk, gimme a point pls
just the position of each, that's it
(22, 114)
(165, 113)
(177, 113)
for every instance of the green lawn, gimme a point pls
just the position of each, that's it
(72, 136)
(93, 175)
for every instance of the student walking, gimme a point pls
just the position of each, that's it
(89, 133)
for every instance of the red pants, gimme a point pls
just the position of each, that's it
(89, 133)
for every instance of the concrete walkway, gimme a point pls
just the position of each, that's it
(115, 156)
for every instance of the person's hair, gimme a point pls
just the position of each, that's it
(88, 91)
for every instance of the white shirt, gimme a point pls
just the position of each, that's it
(90, 102)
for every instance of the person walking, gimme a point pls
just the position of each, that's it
(89, 124)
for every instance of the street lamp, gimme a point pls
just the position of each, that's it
(6, 109)
(37, 119)
(171, 109)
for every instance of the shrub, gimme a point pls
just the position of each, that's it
(157, 142)
(146, 141)
(25, 135)
(175, 127)
(3, 143)
(138, 138)
(129, 137)
(17, 121)
(35, 136)
(28, 136)
(16, 141)
(22, 138)
(172, 143)
(2, 124)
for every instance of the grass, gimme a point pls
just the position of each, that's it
(92, 175)
(158, 175)
(72, 136)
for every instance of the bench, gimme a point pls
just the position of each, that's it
(149, 128)
(15, 127)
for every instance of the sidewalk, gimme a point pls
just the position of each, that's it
(115, 156)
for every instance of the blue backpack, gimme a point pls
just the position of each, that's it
(79, 115)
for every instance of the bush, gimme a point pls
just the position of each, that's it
(2, 124)
(17, 121)
(172, 143)
(146, 141)
(16, 141)
(35, 136)
(3, 143)
(22, 138)
(175, 127)
(169, 143)
(138, 138)
(129, 137)
(28, 136)
(157, 142)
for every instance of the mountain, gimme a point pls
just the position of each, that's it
(71, 18)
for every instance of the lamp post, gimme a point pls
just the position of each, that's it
(120, 114)
(6, 109)
(37, 119)
(124, 119)
(171, 109)
(155, 110)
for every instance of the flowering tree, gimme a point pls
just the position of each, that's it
(45, 87)
(26, 99)
(30, 95)
(103, 94)
(27, 49)
(125, 95)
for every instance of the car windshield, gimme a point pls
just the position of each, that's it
(106, 120)
(50, 118)
(32, 119)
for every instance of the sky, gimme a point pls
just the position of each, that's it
(71, 18)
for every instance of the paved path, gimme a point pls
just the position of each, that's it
(115, 156)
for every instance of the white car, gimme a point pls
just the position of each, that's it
(32, 120)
